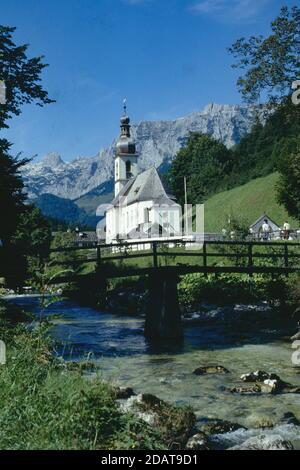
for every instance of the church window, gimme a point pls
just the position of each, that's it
(165, 218)
(128, 170)
(146, 215)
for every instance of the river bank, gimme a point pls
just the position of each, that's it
(46, 404)
(241, 338)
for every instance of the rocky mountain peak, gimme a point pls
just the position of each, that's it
(158, 143)
(52, 159)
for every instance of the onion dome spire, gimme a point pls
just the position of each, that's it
(124, 144)
(125, 121)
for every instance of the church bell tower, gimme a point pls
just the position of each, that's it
(126, 155)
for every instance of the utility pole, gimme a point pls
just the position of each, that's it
(185, 207)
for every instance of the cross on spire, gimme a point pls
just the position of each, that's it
(125, 106)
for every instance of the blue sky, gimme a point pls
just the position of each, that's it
(168, 57)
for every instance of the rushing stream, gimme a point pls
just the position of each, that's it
(234, 338)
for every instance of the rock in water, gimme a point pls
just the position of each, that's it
(122, 393)
(264, 442)
(219, 426)
(213, 369)
(290, 418)
(271, 386)
(259, 376)
(198, 442)
(269, 383)
(291, 389)
(296, 337)
(254, 390)
(260, 420)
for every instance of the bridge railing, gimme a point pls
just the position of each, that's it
(251, 255)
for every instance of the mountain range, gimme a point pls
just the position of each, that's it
(87, 180)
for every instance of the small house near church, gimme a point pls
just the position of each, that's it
(256, 227)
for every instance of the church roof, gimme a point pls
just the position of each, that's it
(146, 186)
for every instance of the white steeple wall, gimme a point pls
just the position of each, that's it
(126, 157)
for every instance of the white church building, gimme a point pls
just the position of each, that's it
(141, 208)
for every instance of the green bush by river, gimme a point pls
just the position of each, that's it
(129, 294)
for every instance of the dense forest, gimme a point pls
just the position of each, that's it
(53, 207)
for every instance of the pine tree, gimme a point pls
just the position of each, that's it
(21, 76)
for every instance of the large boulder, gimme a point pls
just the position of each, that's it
(265, 383)
(144, 406)
(264, 442)
(175, 424)
(258, 376)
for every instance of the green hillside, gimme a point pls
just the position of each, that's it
(103, 194)
(249, 201)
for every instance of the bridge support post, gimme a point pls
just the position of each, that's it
(163, 316)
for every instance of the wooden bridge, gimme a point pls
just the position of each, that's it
(163, 261)
(184, 257)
